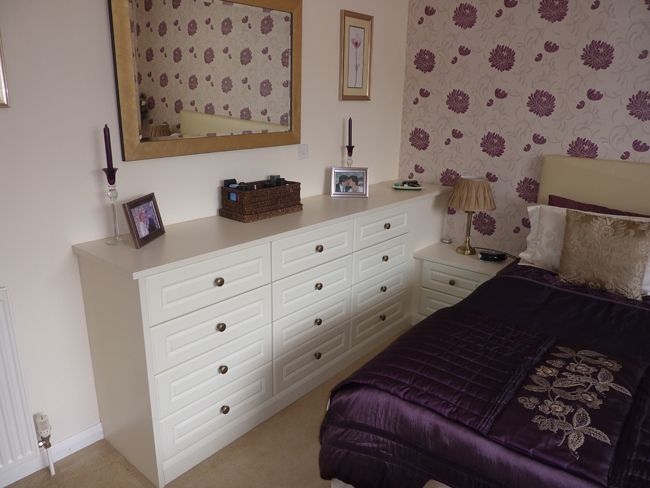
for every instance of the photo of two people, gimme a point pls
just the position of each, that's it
(349, 182)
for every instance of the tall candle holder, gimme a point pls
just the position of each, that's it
(349, 162)
(112, 194)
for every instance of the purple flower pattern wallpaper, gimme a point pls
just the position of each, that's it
(493, 85)
(214, 57)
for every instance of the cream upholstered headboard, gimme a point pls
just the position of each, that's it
(615, 184)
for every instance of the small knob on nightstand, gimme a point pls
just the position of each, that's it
(452, 282)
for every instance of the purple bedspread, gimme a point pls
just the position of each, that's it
(527, 382)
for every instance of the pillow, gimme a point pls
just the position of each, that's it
(546, 239)
(558, 201)
(605, 252)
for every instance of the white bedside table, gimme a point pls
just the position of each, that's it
(447, 277)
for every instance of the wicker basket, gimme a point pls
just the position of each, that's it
(263, 203)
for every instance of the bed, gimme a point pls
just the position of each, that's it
(530, 381)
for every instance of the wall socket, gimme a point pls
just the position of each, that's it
(303, 152)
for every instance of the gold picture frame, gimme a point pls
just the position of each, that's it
(356, 55)
(4, 93)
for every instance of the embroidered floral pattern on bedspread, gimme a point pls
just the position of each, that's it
(574, 383)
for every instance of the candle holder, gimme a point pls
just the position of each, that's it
(112, 194)
(349, 162)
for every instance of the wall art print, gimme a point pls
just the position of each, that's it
(356, 53)
(491, 86)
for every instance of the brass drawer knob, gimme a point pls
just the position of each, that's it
(219, 282)
(318, 355)
(225, 409)
(385, 259)
(221, 327)
(318, 322)
(320, 248)
(223, 369)
(384, 289)
(452, 282)
(387, 226)
(319, 286)
(382, 317)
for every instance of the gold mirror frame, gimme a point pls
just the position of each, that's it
(134, 149)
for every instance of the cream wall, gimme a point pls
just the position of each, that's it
(59, 67)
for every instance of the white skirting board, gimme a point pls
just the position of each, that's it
(59, 451)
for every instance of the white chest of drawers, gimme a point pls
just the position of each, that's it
(214, 327)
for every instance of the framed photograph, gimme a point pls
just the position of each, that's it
(144, 220)
(4, 96)
(350, 182)
(356, 49)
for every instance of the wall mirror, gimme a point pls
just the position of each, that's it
(197, 76)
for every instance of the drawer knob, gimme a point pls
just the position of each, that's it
(223, 369)
(319, 286)
(452, 282)
(385, 259)
(225, 409)
(318, 355)
(320, 248)
(219, 282)
(221, 327)
(318, 322)
(382, 317)
(387, 226)
(384, 289)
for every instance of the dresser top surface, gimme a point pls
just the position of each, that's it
(185, 242)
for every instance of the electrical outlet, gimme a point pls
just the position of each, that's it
(303, 152)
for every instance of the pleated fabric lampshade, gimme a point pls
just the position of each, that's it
(471, 194)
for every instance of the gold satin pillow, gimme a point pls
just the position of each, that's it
(605, 253)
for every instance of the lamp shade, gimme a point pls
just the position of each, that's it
(472, 194)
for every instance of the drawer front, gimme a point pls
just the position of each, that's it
(194, 379)
(309, 287)
(431, 300)
(380, 226)
(453, 281)
(310, 357)
(174, 293)
(298, 253)
(188, 426)
(378, 289)
(194, 334)
(378, 258)
(378, 319)
(295, 329)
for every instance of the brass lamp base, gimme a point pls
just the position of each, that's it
(467, 249)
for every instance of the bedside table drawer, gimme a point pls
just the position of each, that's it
(307, 250)
(380, 226)
(450, 280)
(431, 300)
(378, 289)
(378, 258)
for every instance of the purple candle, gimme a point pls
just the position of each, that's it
(350, 131)
(107, 144)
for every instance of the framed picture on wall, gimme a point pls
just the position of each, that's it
(356, 50)
(349, 182)
(144, 220)
(4, 97)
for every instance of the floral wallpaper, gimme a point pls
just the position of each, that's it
(492, 85)
(212, 56)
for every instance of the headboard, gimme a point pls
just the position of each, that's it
(615, 184)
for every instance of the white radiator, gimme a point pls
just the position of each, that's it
(17, 434)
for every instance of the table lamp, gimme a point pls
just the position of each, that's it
(471, 194)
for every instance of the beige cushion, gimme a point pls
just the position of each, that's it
(606, 253)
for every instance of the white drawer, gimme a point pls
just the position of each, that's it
(450, 280)
(309, 287)
(379, 226)
(295, 329)
(378, 289)
(431, 300)
(376, 259)
(189, 336)
(194, 379)
(174, 293)
(310, 357)
(378, 319)
(188, 426)
(300, 252)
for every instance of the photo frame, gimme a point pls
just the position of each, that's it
(349, 182)
(356, 54)
(144, 220)
(4, 93)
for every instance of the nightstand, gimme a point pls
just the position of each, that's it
(447, 277)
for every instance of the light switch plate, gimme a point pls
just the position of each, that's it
(303, 151)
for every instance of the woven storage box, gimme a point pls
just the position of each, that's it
(263, 203)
